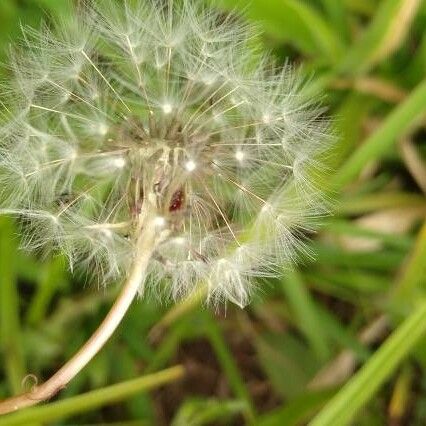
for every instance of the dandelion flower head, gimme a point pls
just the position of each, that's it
(166, 110)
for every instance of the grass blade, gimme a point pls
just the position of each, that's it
(304, 309)
(394, 126)
(229, 366)
(10, 333)
(384, 35)
(295, 22)
(297, 410)
(359, 390)
(91, 400)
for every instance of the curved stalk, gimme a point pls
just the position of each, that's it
(145, 247)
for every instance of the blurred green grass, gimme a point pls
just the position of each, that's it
(286, 357)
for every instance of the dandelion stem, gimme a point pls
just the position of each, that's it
(145, 246)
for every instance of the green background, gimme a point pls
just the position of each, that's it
(339, 340)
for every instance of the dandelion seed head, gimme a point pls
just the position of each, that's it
(136, 114)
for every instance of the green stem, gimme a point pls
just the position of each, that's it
(358, 391)
(134, 284)
(227, 362)
(10, 330)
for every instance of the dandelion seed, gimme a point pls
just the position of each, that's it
(159, 221)
(239, 155)
(102, 129)
(180, 241)
(190, 166)
(107, 233)
(167, 108)
(266, 118)
(119, 163)
(73, 155)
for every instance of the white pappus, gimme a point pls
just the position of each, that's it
(148, 113)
